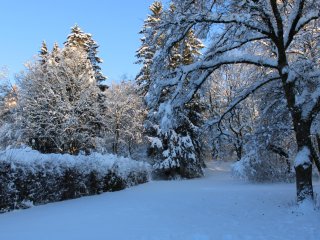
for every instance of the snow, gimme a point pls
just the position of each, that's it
(155, 142)
(213, 207)
(303, 158)
(94, 161)
(165, 110)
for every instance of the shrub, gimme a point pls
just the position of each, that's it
(255, 168)
(30, 178)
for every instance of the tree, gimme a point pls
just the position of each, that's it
(78, 39)
(8, 97)
(123, 115)
(176, 151)
(232, 134)
(269, 34)
(9, 131)
(146, 52)
(58, 103)
(55, 53)
(184, 52)
(43, 53)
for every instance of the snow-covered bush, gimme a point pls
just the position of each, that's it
(255, 168)
(28, 177)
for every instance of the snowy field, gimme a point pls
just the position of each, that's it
(215, 207)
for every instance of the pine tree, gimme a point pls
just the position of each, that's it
(79, 39)
(183, 52)
(54, 56)
(147, 50)
(59, 103)
(43, 53)
(177, 150)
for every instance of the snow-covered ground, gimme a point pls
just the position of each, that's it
(214, 207)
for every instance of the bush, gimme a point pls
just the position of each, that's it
(29, 178)
(255, 168)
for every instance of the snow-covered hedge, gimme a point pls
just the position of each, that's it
(28, 177)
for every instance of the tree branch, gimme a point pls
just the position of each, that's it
(241, 98)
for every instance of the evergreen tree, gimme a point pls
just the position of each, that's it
(184, 52)
(43, 53)
(177, 150)
(79, 39)
(59, 103)
(147, 50)
(55, 53)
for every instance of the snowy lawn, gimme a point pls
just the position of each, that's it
(214, 207)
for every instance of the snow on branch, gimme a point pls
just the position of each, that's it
(241, 97)
(216, 18)
(297, 22)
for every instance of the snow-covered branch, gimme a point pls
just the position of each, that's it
(241, 97)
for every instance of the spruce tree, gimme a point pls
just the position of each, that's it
(183, 52)
(177, 150)
(79, 39)
(59, 103)
(147, 50)
(43, 53)
(54, 56)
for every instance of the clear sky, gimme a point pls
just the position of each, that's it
(114, 24)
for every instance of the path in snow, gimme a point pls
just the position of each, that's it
(214, 207)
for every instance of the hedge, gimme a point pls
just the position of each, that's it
(29, 178)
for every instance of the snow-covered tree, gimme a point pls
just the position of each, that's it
(55, 53)
(43, 53)
(8, 96)
(123, 116)
(177, 150)
(79, 39)
(184, 52)
(269, 34)
(229, 137)
(9, 131)
(146, 52)
(58, 103)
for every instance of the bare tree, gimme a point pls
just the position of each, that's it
(123, 116)
(220, 90)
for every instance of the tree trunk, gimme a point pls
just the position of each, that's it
(316, 150)
(304, 182)
(238, 148)
(302, 128)
(116, 142)
(303, 167)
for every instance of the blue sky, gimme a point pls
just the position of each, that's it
(113, 24)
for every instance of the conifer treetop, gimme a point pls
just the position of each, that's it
(79, 39)
(43, 53)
